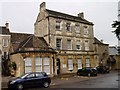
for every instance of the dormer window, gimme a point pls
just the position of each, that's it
(68, 27)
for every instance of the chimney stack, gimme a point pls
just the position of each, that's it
(81, 15)
(7, 25)
(42, 6)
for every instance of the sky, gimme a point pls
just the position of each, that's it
(22, 14)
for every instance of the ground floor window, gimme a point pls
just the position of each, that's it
(87, 62)
(70, 64)
(79, 63)
(41, 64)
(38, 64)
(28, 65)
(47, 65)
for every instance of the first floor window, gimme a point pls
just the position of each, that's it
(58, 43)
(86, 44)
(69, 44)
(70, 64)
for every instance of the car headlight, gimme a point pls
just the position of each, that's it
(12, 82)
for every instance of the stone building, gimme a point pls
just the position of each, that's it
(31, 54)
(102, 51)
(71, 36)
(114, 58)
(4, 47)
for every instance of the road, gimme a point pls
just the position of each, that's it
(102, 81)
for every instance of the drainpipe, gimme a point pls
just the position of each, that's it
(49, 31)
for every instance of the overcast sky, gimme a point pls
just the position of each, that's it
(22, 14)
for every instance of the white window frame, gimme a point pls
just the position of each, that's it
(86, 30)
(58, 25)
(87, 62)
(70, 64)
(79, 60)
(78, 45)
(38, 61)
(46, 65)
(28, 65)
(86, 44)
(77, 28)
(68, 27)
(5, 42)
(69, 44)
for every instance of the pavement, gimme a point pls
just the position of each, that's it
(55, 80)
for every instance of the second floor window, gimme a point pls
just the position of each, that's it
(5, 42)
(58, 25)
(77, 28)
(69, 44)
(85, 30)
(68, 27)
(58, 44)
(78, 45)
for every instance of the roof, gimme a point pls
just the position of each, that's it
(4, 30)
(113, 50)
(60, 15)
(96, 41)
(17, 38)
(29, 43)
(67, 16)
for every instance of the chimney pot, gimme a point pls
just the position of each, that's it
(7, 25)
(81, 15)
(42, 6)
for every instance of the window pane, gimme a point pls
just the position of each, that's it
(87, 62)
(77, 27)
(68, 27)
(69, 45)
(79, 63)
(70, 64)
(58, 43)
(46, 61)
(78, 45)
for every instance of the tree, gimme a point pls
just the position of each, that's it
(116, 25)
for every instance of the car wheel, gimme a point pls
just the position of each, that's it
(46, 84)
(19, 86)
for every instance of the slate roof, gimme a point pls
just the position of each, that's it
(60, 15)
(29, 43)
(96, 41)
(4, 30)
(113, 50)
(17, 38)
(67, 16)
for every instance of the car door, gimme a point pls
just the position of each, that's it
(39, 79)
(30, 80)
